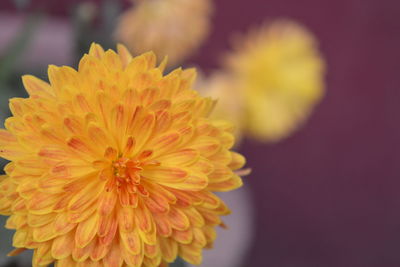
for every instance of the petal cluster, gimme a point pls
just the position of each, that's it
(279, 73)
(168, 27)
(115, 164)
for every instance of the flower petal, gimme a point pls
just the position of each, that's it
(131, 242)
(182, 157)
(62, 246)
(126, 219)
(164, 174)
(178, 219)
(169, 249)
(86, 230)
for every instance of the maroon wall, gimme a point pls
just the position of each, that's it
(329, 195)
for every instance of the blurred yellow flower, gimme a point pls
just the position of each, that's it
(173, 28)
(114, 164)
(279, 73)
(221, 86)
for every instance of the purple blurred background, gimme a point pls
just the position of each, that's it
(328, 195)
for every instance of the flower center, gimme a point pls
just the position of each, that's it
(126, 178)
(127, 170)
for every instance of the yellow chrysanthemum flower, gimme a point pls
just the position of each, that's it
(114, 164)
(173, 28)
(279, 73)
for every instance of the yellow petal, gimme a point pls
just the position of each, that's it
(42, 255)
(65, 262)
(62, 225)
(194, 217)
(147, 261)
(210, 234)
(6, 137)
(98, 136)
(86, 196)
(194, 182)
(146, 225)
(131, 242)
(43, 233)
(106, 223)
(40, 220)
(53, 153)
(96, 51)
(78, 145)
(233, 183)
(220, 173)
(86, 231)
(190, 255)
(149, 96)
(178, 219)
(199, 237)
(156, 203)
(112, 60)
(107, 202)
(184, 237)
(113, 258)
(124, 54)
(163, 225)
(141, 128)
(169, 249)
(151, 251)
(223, 157)
(20, 238)
(164, 174)
(126, 219)
(238, 161)
(207, 146)
(37, 87)
(202, 165)
(143, 218)
(81, 254)
(81, 214)
(210, 218)
(132, 260)
(62, 246)
(99, 251)
(210, 201)
(165, 143)
(182, 157)
(42, 203)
